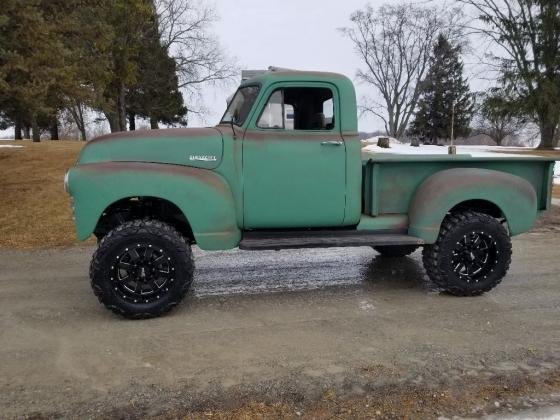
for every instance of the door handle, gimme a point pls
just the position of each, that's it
(331, 143)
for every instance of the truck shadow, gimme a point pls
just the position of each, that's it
(234, 274)
(397, 273)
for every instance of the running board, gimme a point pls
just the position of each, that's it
(257, 241)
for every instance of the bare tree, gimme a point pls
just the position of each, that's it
(76, 109)
(184, 27)
(527, 32)
(394, 42)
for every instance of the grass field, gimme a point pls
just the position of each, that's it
(34, 208)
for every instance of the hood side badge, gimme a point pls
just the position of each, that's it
(203, 158)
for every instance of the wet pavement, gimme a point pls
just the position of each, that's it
(246, 272)
(273, 325)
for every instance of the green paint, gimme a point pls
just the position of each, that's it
(225, 181)
(387, 222)
(180, 147)
(208, 202)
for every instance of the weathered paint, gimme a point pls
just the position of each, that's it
(197, 147)
(270, 162)
(201, 194)
(436, 196)
(282, 188)
(263, 178)
(327, 177)
(353, 192)
(391, 181)
(394, 223)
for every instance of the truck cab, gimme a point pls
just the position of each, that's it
(296, 126)
(284, 169)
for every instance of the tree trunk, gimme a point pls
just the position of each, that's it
(17, 130)
(113, 123)
(131, 122)
(121, 109)
(54, 128)
(548, 134)
(499, 138)
(77, 111)
(557, 136)
(26, 132)
(154, 123)
(35, 129)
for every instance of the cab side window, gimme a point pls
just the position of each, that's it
(299, 109)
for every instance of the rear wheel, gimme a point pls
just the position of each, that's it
(471, 255)
(142, 269)
(395, 251)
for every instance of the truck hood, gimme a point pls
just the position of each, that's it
(197, 147)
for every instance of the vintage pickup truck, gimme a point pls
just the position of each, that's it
(284, 169)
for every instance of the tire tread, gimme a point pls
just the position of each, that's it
(121, 232)
(431, 254)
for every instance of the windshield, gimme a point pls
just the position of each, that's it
(239, 107)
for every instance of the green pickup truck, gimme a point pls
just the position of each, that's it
(284, 169)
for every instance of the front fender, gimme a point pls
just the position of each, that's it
(444, 190)
(203, 196)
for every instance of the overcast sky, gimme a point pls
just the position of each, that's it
(296, 34)
(299, 34)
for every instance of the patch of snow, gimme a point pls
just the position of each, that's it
(476, 151)
(397, 147)
(17, 146)
(373, 140)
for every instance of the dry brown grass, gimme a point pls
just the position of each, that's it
(34, 208)
(471, 398)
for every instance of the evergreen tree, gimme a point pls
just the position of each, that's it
(129, 22)
(445, 99)
(501, 113)
(27, 69)
(49, 55)
(156, 95)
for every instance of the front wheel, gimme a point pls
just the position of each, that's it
(142, 269)
(471, 255)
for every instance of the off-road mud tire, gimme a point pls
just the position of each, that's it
(437, 257)
(395, 251)
(161, 235)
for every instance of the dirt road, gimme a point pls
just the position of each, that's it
(291, 326)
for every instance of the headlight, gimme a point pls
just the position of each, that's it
(66, 175)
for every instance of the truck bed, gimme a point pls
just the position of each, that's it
(390, 180)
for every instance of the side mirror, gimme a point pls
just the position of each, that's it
(234, 118)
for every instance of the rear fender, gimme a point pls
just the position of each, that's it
(203, 196)
(444, 190)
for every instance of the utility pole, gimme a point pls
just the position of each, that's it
(452, 149)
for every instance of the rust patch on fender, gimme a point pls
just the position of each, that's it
(458, 178)
(205, 176)
(167, 132)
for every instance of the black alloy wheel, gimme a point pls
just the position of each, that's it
(143, 272)
(471, 255)
(142, 269)
(475, 256)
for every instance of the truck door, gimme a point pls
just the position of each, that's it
(294, 159)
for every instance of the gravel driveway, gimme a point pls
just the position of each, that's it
(269, 326)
